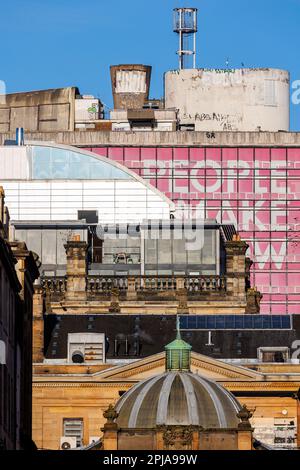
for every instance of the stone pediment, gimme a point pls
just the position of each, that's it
(205, 366)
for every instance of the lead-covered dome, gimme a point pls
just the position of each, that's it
(178, 398)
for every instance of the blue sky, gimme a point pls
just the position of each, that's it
(56, 43)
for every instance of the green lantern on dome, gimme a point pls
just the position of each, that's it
(178, 353)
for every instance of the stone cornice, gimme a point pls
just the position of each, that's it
(50, 384)
(161, 138)
(232, 386)
(259, 386)
(149, 363)
(219, 370)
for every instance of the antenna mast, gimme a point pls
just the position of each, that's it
(185, 25)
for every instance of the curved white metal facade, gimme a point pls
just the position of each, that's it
(51, 182)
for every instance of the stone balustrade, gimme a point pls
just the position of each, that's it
(54, 285)
(102, 284)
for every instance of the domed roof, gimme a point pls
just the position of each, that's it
(177, 398)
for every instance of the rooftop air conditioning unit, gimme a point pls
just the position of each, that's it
(67, 443)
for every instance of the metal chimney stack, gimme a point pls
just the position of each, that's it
(19, 136)
(185, 25)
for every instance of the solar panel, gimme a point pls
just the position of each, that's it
(211, 322)
(267, 323)
(239, 322)
(257, 322)
(220, 322)
(183, 323)
(229, 322)
(201, 322)
(192, 321)
(235, 322)
(276, 321)
(248, 322)
(286, 321)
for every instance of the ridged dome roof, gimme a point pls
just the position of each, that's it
(177, 398)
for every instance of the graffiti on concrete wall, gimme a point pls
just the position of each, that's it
(226, 122)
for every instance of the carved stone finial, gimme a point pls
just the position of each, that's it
(244, 415)
(110, 414)
(253, 301)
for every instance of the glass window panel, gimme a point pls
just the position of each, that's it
(194, 256)
(179, 253)
(59, 164)
(150, 251)
(49, 247)
(78, 168)
(164, 251)
(41, 161)
(209, 253)
(34, 241)
(56, 163)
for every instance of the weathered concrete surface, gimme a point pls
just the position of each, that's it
(230, 99)
(43, 110)
(179, 139)
(130, 85)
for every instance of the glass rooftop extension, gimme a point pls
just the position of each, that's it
(51, 163)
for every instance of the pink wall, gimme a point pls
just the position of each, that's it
(257, 189)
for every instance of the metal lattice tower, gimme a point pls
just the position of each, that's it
(185, 25)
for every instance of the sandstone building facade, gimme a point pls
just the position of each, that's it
(18, 271)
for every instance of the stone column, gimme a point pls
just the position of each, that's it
(245, 440)
(114, 301)
(76, 251)
(38, 325)
(181, 296)
(236, 266)
(196, 440)
(131, 291)
(159, 437)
